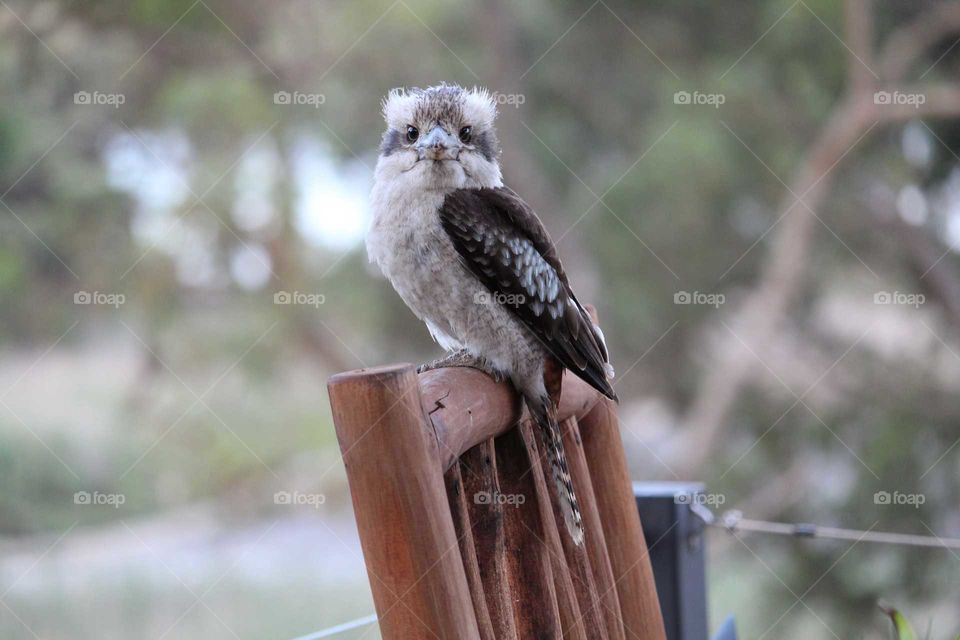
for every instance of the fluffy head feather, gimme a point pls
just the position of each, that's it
(444, 104)
(467, 117)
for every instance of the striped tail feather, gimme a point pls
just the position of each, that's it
(544, 413)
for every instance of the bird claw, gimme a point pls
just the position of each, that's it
(463, 358)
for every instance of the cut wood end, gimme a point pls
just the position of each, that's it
(371, 373)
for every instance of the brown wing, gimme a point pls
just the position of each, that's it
(503, 243)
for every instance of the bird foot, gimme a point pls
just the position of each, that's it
(463, 358)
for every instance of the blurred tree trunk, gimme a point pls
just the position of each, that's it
(852, 119)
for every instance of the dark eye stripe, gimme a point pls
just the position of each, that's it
(486, 144)
(392, 141)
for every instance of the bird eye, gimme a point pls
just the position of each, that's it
(412, 133)
(465, 135)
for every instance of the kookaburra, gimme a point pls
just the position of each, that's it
(474, 262)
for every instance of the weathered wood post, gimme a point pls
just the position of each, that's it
(396, 479)
(632, 570)
(442, 563)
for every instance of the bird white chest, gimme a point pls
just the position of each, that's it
(416, 255)
(414, 252)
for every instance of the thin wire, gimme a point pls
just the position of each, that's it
(340, 628)
(734, 521)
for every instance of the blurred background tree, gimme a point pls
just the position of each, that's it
(184, 162)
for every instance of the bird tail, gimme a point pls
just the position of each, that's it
(544, 414)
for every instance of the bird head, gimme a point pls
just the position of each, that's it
(440, 138)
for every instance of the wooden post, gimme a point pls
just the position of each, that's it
(439, 561)
(395, 472)
(632, 572)
(604, 597)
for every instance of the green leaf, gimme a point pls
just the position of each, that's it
(900, 624)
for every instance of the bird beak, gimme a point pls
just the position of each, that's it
(438, 145)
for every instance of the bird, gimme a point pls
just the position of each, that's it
(474, 262)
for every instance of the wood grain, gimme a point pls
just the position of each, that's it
(462, 524)
(409, 543)
(467, 407)
(445, 563)
(617, 509)
(536, 609)
(606, 603)
(571, 620)
(478, 468)
(570, 559)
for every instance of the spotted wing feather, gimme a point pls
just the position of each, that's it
(503, 243)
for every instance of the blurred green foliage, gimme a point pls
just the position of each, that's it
(199, 390)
